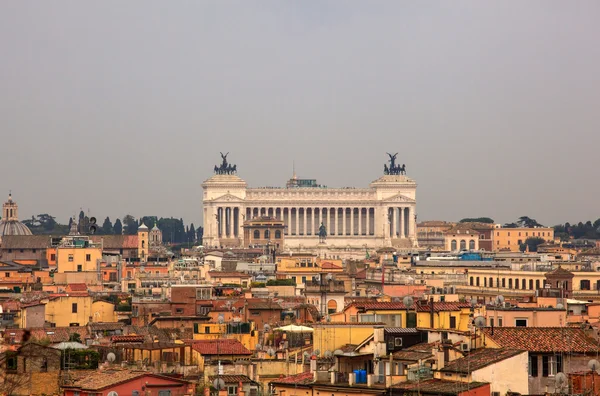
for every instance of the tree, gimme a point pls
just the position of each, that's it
(199, 233)
(510, 225)
(486, 220)
(531, 244)
(192, 233)
(118, 227)
(107, 226)
(527, 222)
(131, 225)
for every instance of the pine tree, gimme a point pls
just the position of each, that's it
(192, 233)
(107, 227)
(118, 227)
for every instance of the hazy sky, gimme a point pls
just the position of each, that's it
(123, 106)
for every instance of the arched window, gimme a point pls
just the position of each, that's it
(453, 245)
(523, 284)
(256, 234)
(143, 244)
(471, 281)
(510, 283)
(484, 281)
(516, 283)
(472, 244)
(463, 244)
(503, 282)
(584, 284)
(267, 234)
(537, 284)
(491, 282)
(477, 281)
(331, 306)
(277, 234)
(530, 284)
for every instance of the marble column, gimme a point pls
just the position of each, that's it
(337, 222)
(395, 223)
(304, 221)
(352, 221)
(360, 232)
(344, 215)
(320, 216)
(402, 223)
(368, 219)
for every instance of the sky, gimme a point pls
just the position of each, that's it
(123, 107)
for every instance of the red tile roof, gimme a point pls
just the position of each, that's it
(54, 334)
(479, 359)
(128, 338)
(543, 339)
(437, 306)
(220, 347)
(329, 265)
(223, 274)
(231, 379)
(111, 242)
(439, 386)
(98, 380)
(77, 287)
(299, 379)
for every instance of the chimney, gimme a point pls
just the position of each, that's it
(440, 358)
(431, 321)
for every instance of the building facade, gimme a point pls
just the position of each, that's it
(381, 215)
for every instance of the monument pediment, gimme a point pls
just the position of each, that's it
(399, 198)
(228, 198)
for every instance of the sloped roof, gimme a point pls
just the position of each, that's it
(437, 306)
(479, 359)
(543, 339)
(77, 287)
(110, 242)
(439, 386)
(54, 334)
(98, 380)
(329, 265)
(220, 347)
(298, 379)
(230, 274)
(26, 242)
(231, 378)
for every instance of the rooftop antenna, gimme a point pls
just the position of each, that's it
(294, 170)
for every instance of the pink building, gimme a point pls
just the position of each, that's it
(525, 317)
(127, 382)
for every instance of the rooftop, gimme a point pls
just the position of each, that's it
(220, 347)
(543, 339)
(298, 379)
(439, 387)
(479, 359)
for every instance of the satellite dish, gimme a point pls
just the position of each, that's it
(408, 301)
(338, 352)
(329, 277)
(111, 357)
(593, 365)
(258, 347)
(306, 355)
(218, 384)
(271, 352)
(221, 319)
(328, 318)
(561, 381)
(317, 352)
(479, 322)
(499, 300)
(560, 306)
(267, 327)
(473, 302)
(328, 354)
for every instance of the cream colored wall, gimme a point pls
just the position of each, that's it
(103, 311)
(461, 237)
(507, 375)
(554, 318)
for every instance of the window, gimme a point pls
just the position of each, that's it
(472, 244)
(70, 258)
(232, 390)
(477, 281)
(304, 279)
(584, 284)
(509, 235)
(471, 281)
(509, 283)
(177, 310)
(537, 284)
(256, 234)
(267, 234)
(206, 329)
(164, 393)
(74, 308)
(530, 284)
(503, 282)
(277, 234)
(453, 322)
(491, 322)
(7, 274)
(53, 257)
(88, 257)
(79, 267)
(500, 321)
(533, 366)
(33, 250)
(398, 341)
(463, 245)
(520, 322)
(523, 284)
(453, 245)
(551, 365)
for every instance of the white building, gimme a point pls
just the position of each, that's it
(383, 214)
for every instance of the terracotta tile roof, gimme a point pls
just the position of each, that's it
(267, 303)
(112, 242)
(227, 274)
(98, 326)
(99, 380)
(560, 271)
(231, 379)
(77, 287)
(329, 265)
(543, 339)
(54, 334)
(439, 387)
(127, 338)
(220, 347)
(299, 379)
(26, 242)
(437, 306)
(362, 274)
(479, 359)
(411, 356)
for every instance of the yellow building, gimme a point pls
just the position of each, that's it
(306, 268)
(143, 236)
(77, 309)
(511, 238)
(78, 254)
(332, 336)
(245, 333)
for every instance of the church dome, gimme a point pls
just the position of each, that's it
(10, 224)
